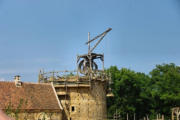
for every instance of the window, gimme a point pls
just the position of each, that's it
(72, 108)
(43, 116)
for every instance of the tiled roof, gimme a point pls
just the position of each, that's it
(27, 97)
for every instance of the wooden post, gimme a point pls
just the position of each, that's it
(172, 115)
(115, 115)
(147, 117)
(134, 116)
(127, 116)
(177, 114)
(177, 117)
(162, 117)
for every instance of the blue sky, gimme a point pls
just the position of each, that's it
(36, 34)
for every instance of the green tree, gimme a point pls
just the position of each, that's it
(165, 88)
(129, 89)
(145, 94)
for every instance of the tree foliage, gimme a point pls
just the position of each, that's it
(144, 94)
(165, 87)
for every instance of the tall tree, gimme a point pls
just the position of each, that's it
(129, 88)
(145, 94)
(165, 87)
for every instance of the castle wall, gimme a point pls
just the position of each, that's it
(86, 103)
(36, 116)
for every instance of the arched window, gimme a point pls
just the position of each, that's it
(43, 116)
(12, 115)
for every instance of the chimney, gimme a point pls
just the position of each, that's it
(17, 81)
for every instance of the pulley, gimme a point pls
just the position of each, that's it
(84, 66)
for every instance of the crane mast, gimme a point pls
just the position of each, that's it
(87, 64)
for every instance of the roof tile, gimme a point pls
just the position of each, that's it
(28, 96)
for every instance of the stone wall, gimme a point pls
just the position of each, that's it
(86, 103)
(37, 116)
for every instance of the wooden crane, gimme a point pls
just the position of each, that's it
(87, 64)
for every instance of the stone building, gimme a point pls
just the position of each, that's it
(62, 95)
(29, 101)
(81, 99)
(83, 92)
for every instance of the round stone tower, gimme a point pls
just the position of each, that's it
(82, 98)
(82, 93)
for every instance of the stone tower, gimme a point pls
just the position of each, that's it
(83, 92)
